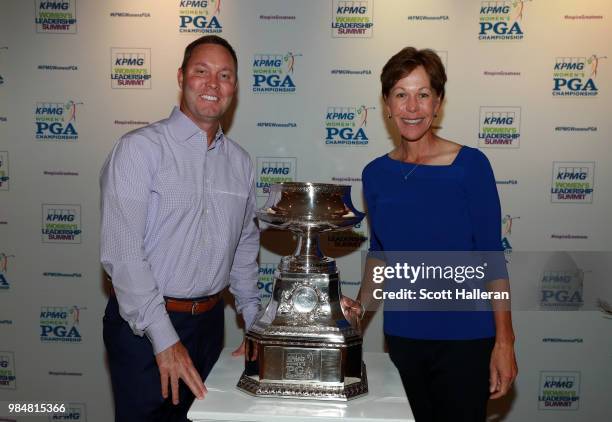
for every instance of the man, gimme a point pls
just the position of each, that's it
(178, 226)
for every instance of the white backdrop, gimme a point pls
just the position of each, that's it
(533, 77)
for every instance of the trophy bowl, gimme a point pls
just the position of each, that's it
(315, 207)
(301, 346)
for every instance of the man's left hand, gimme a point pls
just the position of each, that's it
(240, 350)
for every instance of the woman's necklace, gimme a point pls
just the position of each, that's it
(411, 170)
(407, 175)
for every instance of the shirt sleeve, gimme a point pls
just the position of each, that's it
(125, 183)
(485, 214)
(244, 271)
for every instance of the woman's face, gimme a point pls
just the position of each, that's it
(412, 103)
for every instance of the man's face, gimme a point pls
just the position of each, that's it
(208, 84)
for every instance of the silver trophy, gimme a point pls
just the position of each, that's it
(302, 346)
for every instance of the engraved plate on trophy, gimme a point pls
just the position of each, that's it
(301, 346)
(302, 364)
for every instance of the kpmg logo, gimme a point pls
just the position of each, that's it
(573, 182)
(562, 289)
(266, 279)
(507, 222)
(274, 73)
(501, 20)
(271, 170)
(74, 412)
(559, 390)
(200, 17)
(4, 170)
(61, 223)
(5, 283)
(56, 16)
(575, 76)
(352, 19)
(130, 68)
(346, 125)
(56, 121)
(8, 378)
(60, 324)
(500, 127)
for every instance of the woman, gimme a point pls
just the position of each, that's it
(432, 194)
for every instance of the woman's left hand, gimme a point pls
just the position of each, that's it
(503, 369)
(353, 311)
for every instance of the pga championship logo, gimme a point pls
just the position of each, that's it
(61, 223)
(352, 19)
(562, 290)
(265, 283)
(559, 390)
(56, 121)
(576, 76)
(60, 324)
(8, 378)
(200, 17)
(271, 170)
(4, 170)
(56, 16)
(501, 20)
(130, 68)
(347, 126)
(274, 73)
(5, 283)
(573, 182)
(73, 412)
(507, 222)
(500, 127)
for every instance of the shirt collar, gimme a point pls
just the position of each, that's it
(218, 139)
(183, 128)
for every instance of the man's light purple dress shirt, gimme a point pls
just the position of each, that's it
(178, 220)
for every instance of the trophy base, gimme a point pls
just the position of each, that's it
(351, 389)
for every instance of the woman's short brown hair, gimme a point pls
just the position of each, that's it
(408, 59)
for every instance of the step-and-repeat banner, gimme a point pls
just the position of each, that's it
(528, 83)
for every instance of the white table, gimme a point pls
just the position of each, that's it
(386, 400)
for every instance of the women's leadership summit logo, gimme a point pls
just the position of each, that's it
(56, 16)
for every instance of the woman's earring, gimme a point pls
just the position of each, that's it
(388, 116)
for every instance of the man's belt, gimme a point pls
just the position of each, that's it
(192, 306)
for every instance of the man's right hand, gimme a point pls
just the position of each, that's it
(174, 363)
